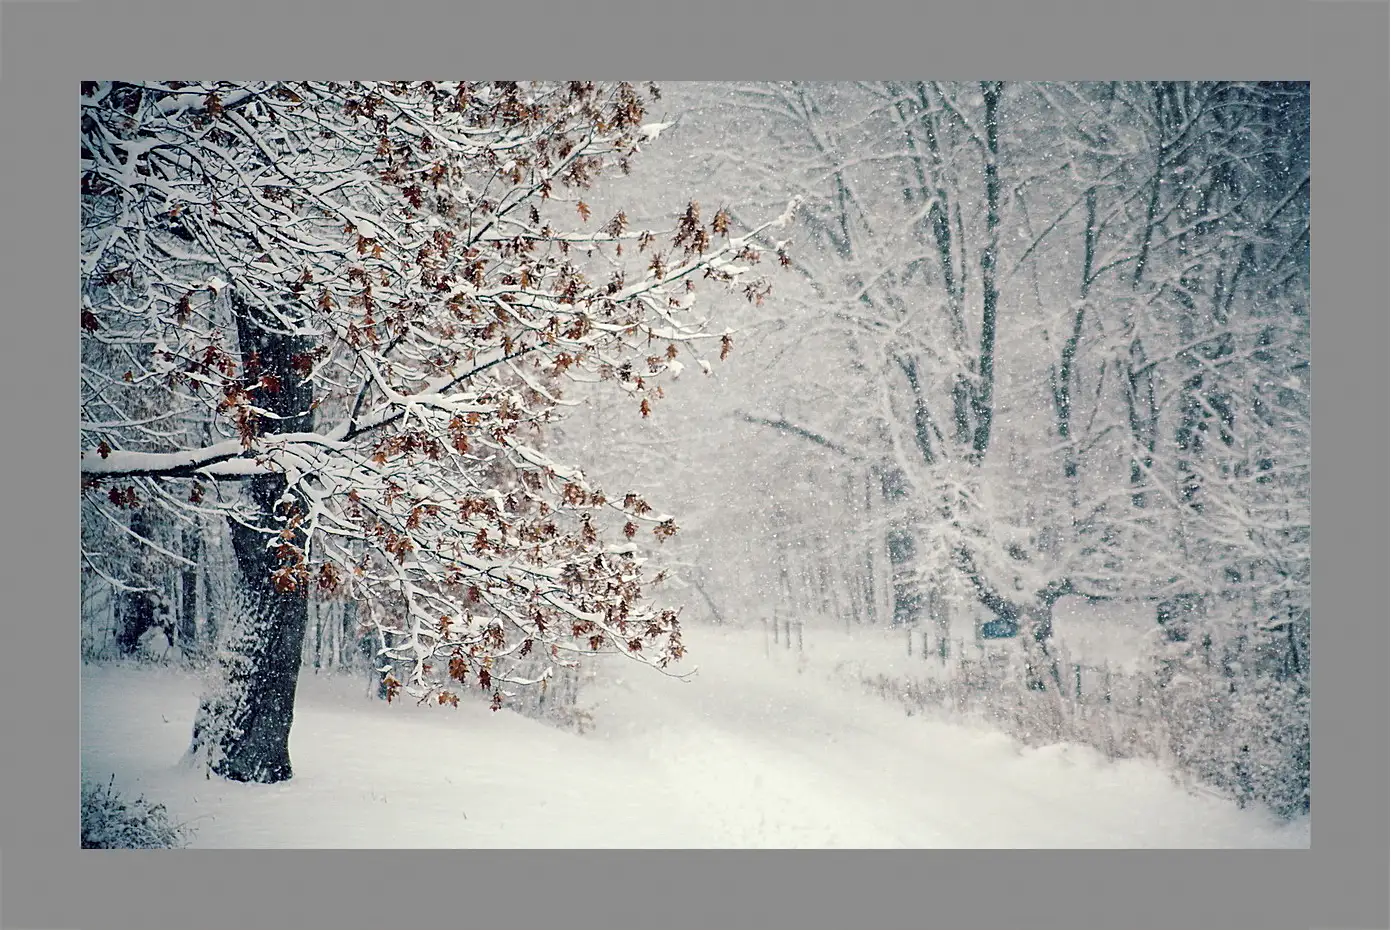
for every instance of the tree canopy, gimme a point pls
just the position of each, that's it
(341, 316)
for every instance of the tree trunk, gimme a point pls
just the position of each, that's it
(255, 743)
(188, 606)
(1063, 375)
(1041, 666)
(138, 610)
(984, 404)
(1142, 409)
(902, 550)
(243, 731)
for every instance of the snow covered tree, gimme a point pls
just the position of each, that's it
(1060, 333)
(340, 317)
(910, 195)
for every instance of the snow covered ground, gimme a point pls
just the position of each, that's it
(753, 750)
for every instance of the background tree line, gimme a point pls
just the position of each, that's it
(1041, 341)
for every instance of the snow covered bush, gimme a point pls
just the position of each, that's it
(112, 821)
(1273, 728)
(1194, 707)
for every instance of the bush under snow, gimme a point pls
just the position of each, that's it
(111, 821)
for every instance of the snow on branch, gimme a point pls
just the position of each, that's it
(365, 302)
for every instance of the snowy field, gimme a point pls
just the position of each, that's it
(753, 750)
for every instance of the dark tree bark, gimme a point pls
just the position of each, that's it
(902, 548)
(256, 745)
(188, 580)
(253, 729)
(1063, 375)
(1163, 110)
(1142, 414)
(984, 404)
(137, 616)
(138, 610)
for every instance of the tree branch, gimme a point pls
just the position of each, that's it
(793, 429)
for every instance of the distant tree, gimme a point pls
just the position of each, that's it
(1148, 414)
(1060, 333)
(341, 316)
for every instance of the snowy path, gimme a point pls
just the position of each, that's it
(747, 753)
(779, 758)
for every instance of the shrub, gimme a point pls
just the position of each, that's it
(111, 821)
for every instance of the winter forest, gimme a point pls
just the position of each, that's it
(876, 464)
